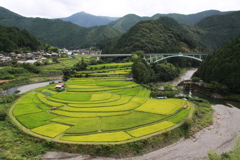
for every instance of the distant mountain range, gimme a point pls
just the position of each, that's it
(57, 32)
(87, 20)
(208, 29)
(123, 24)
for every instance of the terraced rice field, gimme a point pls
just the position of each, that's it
(97, 110)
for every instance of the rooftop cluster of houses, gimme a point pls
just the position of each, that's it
(27, 57)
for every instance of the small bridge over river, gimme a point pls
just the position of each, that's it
(152, 57)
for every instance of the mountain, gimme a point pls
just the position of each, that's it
(223, 66)
(152, 36)
(14, 39)
(57, 32)
(218, 29)
(87, 20)
(125, 23)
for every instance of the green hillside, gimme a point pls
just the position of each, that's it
(219, 28)
(14, 39)
(57, 32)
(223, 66)
(152, 36)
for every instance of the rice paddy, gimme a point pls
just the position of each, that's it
(97, 110)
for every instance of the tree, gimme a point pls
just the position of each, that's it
(80, 66)
(55, 60)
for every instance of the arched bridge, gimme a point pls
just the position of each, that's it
(162, 56)
(153, 57)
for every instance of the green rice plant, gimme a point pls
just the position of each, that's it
(110, 65)
(131, 104)
(43, 106)
(150, 129)
(85, 86)
(177, 118)
(35, 120)
(51, 86)
(100, 137)
(142, 92)
(135, 119)
(119, 100)
(164, 106)
(35, 99)
(27, 98)
(113, 83)
(101, 96)
(101, 88)
(26, 108)
(88, 114)
(50, 91)
(72, 96)
(85, 125)
(147, 95)
(51, 130)
(134, 91)
(50, 103)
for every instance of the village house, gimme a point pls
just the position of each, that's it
(60, 86)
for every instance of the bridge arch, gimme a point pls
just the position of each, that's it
(192, 57)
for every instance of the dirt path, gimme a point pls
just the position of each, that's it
(219, 137)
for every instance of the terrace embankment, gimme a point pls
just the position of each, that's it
(220, 137)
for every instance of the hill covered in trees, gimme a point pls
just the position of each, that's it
(57, 32)
(14, 39)
(223, 67)
(125, 23)
(152, 36)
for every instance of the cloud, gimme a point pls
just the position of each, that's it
(119, 8)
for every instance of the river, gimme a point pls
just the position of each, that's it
(27, 87)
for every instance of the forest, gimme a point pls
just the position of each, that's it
(12, 39)
(222, 67)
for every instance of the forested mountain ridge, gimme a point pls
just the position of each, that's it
(87, 20)
(152, 36)
(223, 66)
(125, 23)
(57, 32)
(220, 28)
(14, 39)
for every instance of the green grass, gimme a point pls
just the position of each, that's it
(129, 121)
(150, 129)
(100, 137)
(35, 120)
(27, 108)
(72, 96)
(51, 130)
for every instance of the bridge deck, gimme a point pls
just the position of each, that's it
(148, 54)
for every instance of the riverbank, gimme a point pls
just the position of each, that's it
(220, 137)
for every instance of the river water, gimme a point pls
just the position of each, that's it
(27, 87)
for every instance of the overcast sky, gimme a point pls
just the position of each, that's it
(114, 8)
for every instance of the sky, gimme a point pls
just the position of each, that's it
(114, 8)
